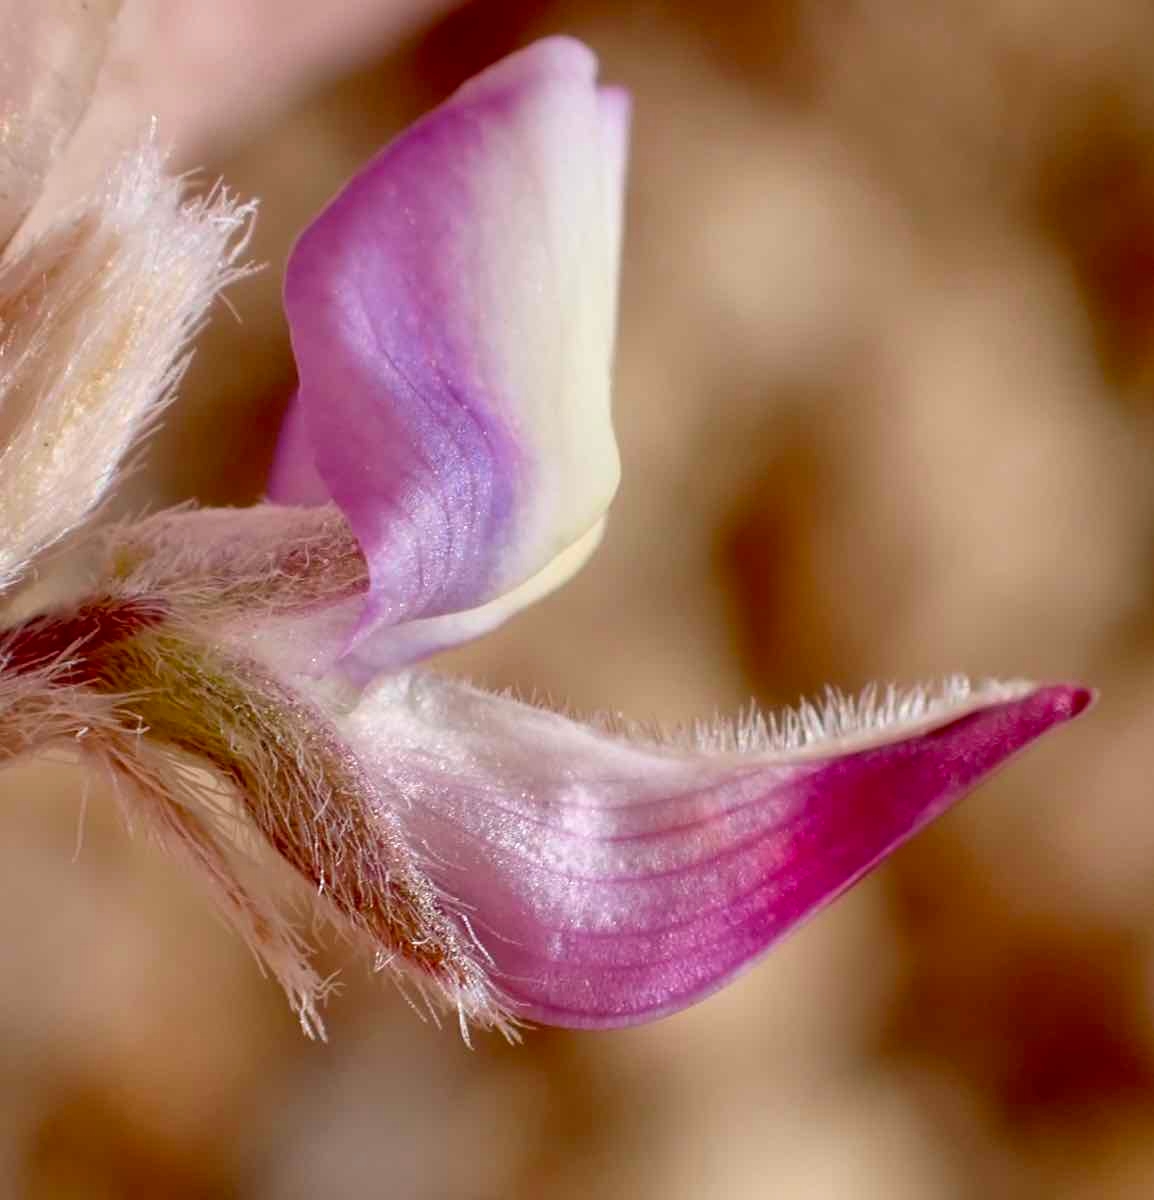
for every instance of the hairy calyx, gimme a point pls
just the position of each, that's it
(140, 684)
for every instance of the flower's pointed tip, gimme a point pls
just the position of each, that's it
(935, 767)
(993, 733)
(1069, 700)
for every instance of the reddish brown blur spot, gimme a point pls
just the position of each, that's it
(1006, 998)
(1097, 202)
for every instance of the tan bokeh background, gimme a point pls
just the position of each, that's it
(884, 400)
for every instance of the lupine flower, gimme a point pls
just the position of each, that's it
(247, 676)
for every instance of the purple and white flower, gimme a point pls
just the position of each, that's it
(449, 457)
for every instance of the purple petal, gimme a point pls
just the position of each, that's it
(293, 478)
(614, 882)
(452, 318)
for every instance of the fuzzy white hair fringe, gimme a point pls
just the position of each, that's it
(96, 316)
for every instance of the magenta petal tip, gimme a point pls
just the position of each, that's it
(1070, 700)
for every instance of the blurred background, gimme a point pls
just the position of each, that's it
(886, 405)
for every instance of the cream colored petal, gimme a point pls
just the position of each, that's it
(50, 54)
